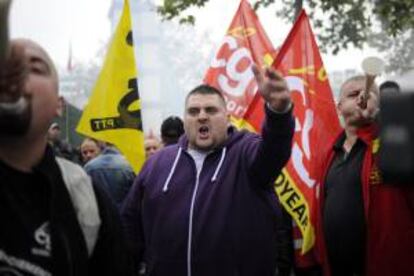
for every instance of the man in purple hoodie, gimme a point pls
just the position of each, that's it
(206, 205)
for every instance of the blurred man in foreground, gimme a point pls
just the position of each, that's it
(54, 221)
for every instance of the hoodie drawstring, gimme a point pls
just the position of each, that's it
(177, 157)
(223, 155)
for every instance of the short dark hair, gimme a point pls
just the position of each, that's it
(205, 89)
(171, 129)
(389, 84)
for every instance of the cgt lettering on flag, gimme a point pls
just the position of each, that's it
(126, 118)
(236, 78)
(317, 123)
(244, 44)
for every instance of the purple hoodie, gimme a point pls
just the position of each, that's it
(222, 223)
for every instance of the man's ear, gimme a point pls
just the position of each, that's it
(228, 116)
(339, 114)
(338, 106)
(61, 105)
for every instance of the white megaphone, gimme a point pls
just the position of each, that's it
(372, 67)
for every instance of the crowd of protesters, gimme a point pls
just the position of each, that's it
(203, 203)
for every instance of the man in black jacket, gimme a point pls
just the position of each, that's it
(53, 221)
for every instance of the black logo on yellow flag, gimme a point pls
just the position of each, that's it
(129, 39)
(126, 118)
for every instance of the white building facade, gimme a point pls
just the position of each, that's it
(158, 89)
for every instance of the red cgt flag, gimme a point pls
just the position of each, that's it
(300, 63)
(230, 71)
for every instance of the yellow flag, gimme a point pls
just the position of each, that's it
(113, 113)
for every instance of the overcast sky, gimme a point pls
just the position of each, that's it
(84, 23)
(180, 62)
(54, 23)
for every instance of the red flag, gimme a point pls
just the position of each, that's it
(300, 63)
(230, 71)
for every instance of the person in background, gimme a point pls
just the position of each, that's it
(112, 172)
(60, 147)
(171, 130)
(151, 145)
(54, 133)
(206, 205)
(389, 88)
(90, 148)
(54, 221)
(364, 226)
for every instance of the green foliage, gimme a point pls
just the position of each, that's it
(338, 24)
(395, 15)
(173, 8)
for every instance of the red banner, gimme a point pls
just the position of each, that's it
(300, 63)
(230, 71)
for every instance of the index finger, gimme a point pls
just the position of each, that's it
(258, 74)
(273, 74)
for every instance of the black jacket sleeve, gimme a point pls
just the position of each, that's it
(271, 151)
(132, 220)
(110, 256)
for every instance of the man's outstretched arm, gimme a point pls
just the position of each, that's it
(272, 149)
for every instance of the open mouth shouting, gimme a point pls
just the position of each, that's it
(204, 132)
